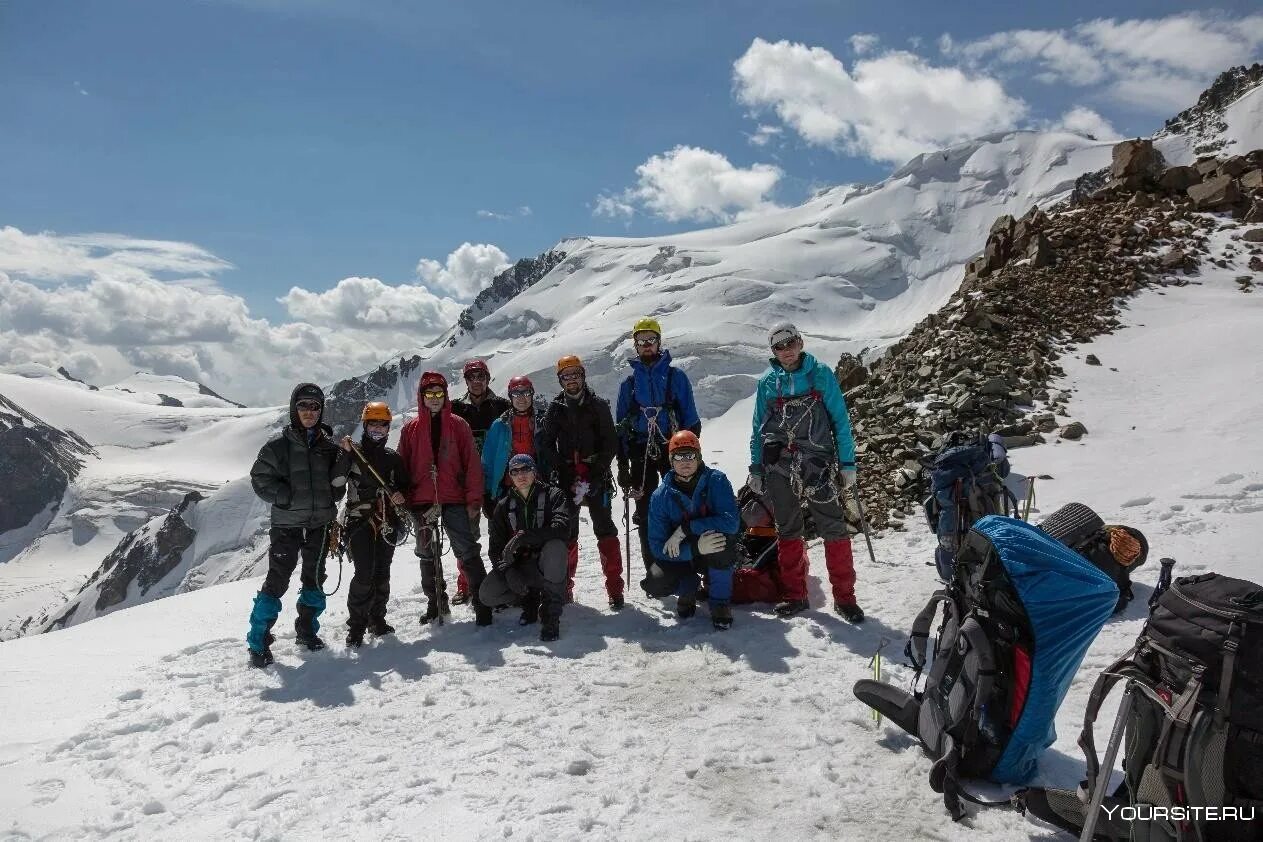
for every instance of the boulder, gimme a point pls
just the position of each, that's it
(1073, 431)
(1215, 193)
(1135, 158)
(1179, 179)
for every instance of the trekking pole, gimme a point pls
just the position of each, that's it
(1030, 498)
(627, 535)
(859, 505)
(1164, 581)
(1107, 766)
(436, 537)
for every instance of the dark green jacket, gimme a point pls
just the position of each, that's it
(299, 480)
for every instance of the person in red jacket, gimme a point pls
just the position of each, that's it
(437, 447)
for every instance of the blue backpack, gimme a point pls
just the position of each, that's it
(966, 482)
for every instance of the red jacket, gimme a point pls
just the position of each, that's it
(459, 470)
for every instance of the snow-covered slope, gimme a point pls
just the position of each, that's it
(167, 390)
(146, 723)
(853, 267)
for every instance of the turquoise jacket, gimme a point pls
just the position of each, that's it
(776, 382)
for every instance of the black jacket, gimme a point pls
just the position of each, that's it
(582, 429)
(296, 475)
(480, 417)
(542, 517)
(361, 485)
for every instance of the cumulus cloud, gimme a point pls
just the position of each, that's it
(467, 270)
(1153, 64)
(1087, 122)
(369, 303)
(863, 43)
(886, 108)
(101, 306)
(764, 134)
(613, 207)
(688, 183)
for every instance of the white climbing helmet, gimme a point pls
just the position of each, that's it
(782, 331)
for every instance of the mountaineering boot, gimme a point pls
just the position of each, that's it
(721, 617)
(550, 630)
(460, 598)
(304, 636)
(354, 638)
(550, 617)
(685, 607)
(432, 608)
(259, 660)
(482, 613)
(616, 603)
(380, 628)
(311, 602)
(851, 612)
(790, 607)
(530, 608)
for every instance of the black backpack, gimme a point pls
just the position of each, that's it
(1192, 719)
(965, 483)
(1117, 550)
(1018, 614)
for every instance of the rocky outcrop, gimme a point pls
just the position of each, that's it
(38, 462)
(1204, 121)
(1043, 283)
(522, 275)
(394, 382)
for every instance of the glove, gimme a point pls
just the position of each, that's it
(848, 478)
(755, 483)
(672, 546)
(509, 554)
(711, 542)
(580, 490)
(624, 477)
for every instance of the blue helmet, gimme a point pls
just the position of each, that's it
(522, 460)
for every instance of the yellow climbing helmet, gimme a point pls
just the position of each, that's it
(646, 323)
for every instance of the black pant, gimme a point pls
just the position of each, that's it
(646, 479)
(369, 590)
(465, 546)
(286, 543)
(600, 510)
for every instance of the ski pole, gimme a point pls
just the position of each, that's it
(1107, 766)
(627, 536)
(440, 583)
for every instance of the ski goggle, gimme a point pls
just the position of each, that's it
(645, 343)
(784, 344)
(308, 406)
(570, 376)
(685, 456)
(521, 393)
(514, 472)
(434, 394)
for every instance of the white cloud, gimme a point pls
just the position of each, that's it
(1156, 64)
(95, 304)
(888, 108)
(486, 214)
(688, 183)
(764, 133)
(1086, 121)
(467, 270)
(525, 210)
(369, 303)
(863, 43)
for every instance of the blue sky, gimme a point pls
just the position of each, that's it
(309, 142)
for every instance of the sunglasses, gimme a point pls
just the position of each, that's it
(477, 375)
(521, 393)
(784, 344)
(308, 406)
(519, 471)
(574, 375)
(645, 343)
(685, 456)
(429, 394)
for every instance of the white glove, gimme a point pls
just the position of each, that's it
(755, 483)
(711, 542)
(848, 477)
(580, 491)
(672, 545)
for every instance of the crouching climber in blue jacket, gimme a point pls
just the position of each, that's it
(693, 526)
(295, 473)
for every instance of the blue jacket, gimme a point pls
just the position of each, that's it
(777, 382)
(648, 385)
(713, 507)
(497, 447)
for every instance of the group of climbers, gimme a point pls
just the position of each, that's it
(530, 466)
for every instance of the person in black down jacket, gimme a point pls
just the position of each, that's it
(528, 532)
(295, 473)
(372, 521)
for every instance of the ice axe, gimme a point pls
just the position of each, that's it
(859, 505)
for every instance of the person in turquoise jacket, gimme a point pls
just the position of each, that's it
(802, 452)
(693, 528)
(518, 430)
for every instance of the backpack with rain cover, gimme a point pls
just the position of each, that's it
(1116, 550)
(966, 482)
(1191, 720)
(1020, 611)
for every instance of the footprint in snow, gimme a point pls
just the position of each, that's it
(1137, 501)
(1228, 479)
